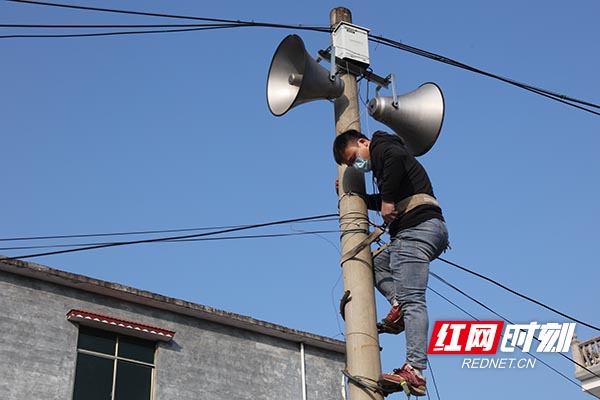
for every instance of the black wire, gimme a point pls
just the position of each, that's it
(376, 39)
(423, 53)
(75, 35)
(168, 238)
(454, 304)
(519, 294)
(148, 14)
(436, 276)
(434, 383)
(14, 239)
(449, 61)
(510, 322)
(148, 232)
(272, 235)
(113, 26)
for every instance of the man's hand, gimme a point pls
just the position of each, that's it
(388, 212)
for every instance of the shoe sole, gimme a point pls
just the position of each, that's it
(393, 329)
(390, 386)
(417, 390)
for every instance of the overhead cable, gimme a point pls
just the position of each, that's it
(164, 239)
(570, 101)
(543, 92)
(147, 232)
(263, 236)
(162, 15)
(113, 26)
(508, 321)
(76, 35)
(518, 294)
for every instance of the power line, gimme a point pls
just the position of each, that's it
(507, 320)
(436, 57)
(501, 317)
(561, 98)
(519, 294)
(434, 382)
(113, 26)
(162, 15)
(147, 232)
(148, 14)
(76, 35)
(272, 235)
(164, 239)
(451, 302)
(444, 281)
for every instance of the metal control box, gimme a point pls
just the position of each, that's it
(351, 42)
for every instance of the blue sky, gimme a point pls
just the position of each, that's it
(171, 131)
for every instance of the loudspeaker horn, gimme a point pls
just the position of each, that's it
(296, 78)
(417, 118)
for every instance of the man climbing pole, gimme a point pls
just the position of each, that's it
(418, 235)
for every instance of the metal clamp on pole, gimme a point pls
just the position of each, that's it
(391, 78)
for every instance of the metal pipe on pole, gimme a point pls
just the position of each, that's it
(362, 341)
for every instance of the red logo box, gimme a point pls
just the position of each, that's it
(465, 337)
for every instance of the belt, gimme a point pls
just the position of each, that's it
(411, 202)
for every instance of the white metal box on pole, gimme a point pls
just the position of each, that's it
(351, 42)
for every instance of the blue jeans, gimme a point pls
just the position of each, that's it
(401, 274)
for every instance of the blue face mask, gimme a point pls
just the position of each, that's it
(362, 165)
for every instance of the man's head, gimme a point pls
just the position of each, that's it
(349, 146)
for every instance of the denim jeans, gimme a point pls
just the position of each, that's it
(401, 274)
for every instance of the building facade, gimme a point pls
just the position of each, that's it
(67, 336)
(586, 355)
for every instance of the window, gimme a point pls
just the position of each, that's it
(113, 367)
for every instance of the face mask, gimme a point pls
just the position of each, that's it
(362, 165)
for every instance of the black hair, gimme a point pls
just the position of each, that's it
(343, 141)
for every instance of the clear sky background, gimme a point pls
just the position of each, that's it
(172, 131)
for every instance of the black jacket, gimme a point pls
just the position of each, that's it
(399, 175)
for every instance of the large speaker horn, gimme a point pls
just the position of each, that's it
(296, 78)
(417, 118)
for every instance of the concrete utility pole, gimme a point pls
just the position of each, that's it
(362, 341)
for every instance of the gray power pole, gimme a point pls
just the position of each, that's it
(362, 341)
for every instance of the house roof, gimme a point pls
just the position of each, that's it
(133, 295)
(120, 325)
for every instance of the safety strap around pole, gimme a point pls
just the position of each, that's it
(380, 249)
(376, 234)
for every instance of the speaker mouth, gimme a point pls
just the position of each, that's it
(417, 119)
(288, 63)
(296, 78)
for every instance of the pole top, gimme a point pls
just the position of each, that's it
(340, 14)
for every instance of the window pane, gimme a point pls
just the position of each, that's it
(136, 349)
(93, 378)
(134, 381)
(97, 340)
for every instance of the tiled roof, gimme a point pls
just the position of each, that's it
(120, 325)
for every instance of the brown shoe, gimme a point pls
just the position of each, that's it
(401, 378)
(393, 323)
